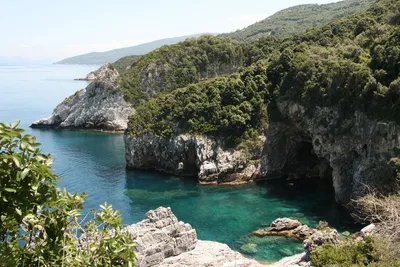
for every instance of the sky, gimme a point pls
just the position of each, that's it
(52, 30)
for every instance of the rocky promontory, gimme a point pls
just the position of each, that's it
(99, 106)
(161, 240)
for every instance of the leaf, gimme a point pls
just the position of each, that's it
(15, 124)
(25, 173)
(16, 161)
(18, 211)
(11, 190)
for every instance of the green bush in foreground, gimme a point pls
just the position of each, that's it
(40, 225)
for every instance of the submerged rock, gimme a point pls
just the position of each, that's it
(100, 106)
(249, 248)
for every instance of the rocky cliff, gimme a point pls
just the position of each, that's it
(353, 152)
(191, 155)
(161, 240)
(100, 106)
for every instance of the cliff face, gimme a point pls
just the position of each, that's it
(352, 152)
(99, 106)
(190, 155)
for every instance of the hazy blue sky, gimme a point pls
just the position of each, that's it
(52, 29)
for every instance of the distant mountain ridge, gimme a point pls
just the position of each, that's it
(97, 58)
(297, 19)
(287, 22)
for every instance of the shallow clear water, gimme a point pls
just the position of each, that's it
(94, 162)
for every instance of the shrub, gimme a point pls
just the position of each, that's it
(41, 225)
(371, 252)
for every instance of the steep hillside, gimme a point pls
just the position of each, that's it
(175, 66)
(125, 63)
(98, 58)
(297, 19)
(327, 101)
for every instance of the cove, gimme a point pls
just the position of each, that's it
(94, 162)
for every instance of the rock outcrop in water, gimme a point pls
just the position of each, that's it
(286, 227)
(161, 240)
(100, 106)
(353, 152)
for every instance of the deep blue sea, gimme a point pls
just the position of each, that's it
(94, 162)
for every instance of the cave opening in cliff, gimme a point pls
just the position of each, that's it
(304, 163)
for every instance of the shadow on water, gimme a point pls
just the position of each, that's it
(315, 198)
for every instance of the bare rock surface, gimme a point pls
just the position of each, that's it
(286, 227)
(321, 237)
(161, 240)
(191, 155)
(210, 254)
(99, 106)
(298, 260)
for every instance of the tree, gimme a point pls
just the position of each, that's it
(42, 225)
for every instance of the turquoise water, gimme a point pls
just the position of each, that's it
(94, 162)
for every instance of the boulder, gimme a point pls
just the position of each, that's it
(160, 236)
(284, 224)
(368, 230)
(321, 237)
(286, 227)
(161, 240)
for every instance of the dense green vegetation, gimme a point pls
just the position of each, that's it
(175, 66)
(39, 224)
(98, 58)
(297, 19)
(124, 63)
(350, 64)
(226, 106)
(371, 252)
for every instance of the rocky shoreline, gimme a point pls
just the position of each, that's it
(352, 154)
(100, 106)
(161, 240)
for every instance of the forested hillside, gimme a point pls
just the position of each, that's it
(191, 61)
(297, 19)
(125, 63)
(350, 64)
